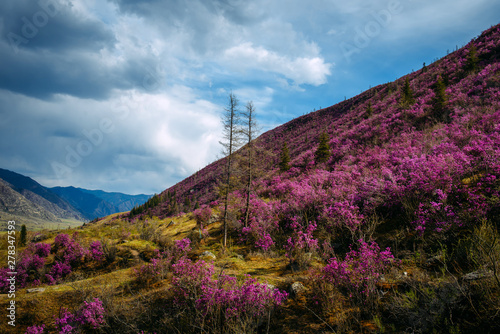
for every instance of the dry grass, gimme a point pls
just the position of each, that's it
(119, 289)
(133, 306)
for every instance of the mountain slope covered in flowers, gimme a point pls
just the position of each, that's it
(409, 159)
(381, 215)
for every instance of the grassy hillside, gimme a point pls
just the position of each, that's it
(392, 228)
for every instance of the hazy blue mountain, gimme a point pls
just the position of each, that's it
(97, 203)
(24, 198)
(121, 201)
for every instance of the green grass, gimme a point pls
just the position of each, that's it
(39, 224)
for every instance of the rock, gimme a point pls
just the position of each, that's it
(271, 287)
(296, 288)
(477, 275)
(213, 218)
(435, 261)
(38, 238)
(35, 290)
(207, 254)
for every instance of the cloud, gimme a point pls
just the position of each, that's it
(218, 31)
(109, 144)
(301, 70)
(55, 25)
(88, 50)
(65, 49)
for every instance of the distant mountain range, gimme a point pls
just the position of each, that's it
(98, 203)
(26, 201)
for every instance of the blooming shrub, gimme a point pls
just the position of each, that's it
(61, 241)
(74, 254)
(159, 265)
(261, 225)
(221, 304)
(345, 215)
(463, 206)
(69, 250)
(96, 251)
(28, 270)
(28, 267)
(360, 270)
(58, 272)
(42, 249)
(90, 315)
(301, 245)
(35, 329)
(202, 215)
(438, 215)
(183, 246)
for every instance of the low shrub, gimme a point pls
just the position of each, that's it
(161, 263)
(222, 303)
(358, 273)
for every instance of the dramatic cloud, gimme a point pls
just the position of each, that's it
(114, 140)
(312, 71)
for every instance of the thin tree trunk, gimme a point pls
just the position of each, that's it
(228, 179)
(250, 115)
(226, 201)
(232, 123)
(249, 186)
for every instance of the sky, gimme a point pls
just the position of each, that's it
(126, 96)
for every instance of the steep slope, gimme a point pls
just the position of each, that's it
(377, 135)
(21, 182)
(54, 206)
(14, 206)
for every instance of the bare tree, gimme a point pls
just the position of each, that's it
(230, 143)
(250, 131)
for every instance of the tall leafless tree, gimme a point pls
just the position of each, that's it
(250, 132)
(231, 142)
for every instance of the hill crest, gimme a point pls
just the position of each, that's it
(364, 123)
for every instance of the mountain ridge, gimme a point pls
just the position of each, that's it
(97, 203)
(348, 124)
(25, 200)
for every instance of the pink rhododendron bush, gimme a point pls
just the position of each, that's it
(215, 302)
(41, 263)
(89, 317)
